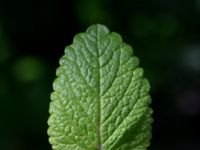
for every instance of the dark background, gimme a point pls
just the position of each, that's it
(165, 35)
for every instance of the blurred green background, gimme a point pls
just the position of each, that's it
(165, 35)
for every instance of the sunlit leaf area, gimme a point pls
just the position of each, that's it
(165, 35)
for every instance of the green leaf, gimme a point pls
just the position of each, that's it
(100, 99)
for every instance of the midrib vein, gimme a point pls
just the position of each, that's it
(100, 102)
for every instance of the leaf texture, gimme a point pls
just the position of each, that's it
(100, 99)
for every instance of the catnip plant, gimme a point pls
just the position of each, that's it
(100, 99)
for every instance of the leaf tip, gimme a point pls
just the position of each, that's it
(97, 28)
